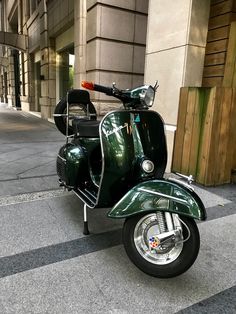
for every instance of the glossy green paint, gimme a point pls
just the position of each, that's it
(127, 138)
(174, 198)
(76, 165)
(88, 143)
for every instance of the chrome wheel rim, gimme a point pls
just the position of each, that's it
(147, 227)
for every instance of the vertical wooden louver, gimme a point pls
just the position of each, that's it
(222, 13)
(205, 139)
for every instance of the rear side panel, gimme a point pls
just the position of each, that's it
(128, 137)
(72, 165)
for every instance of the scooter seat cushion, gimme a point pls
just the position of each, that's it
(86, 128)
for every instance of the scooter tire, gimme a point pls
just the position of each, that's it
(60, 122)
(61, 108)
(180, 265)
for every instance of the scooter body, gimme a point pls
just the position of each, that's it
(119, 163)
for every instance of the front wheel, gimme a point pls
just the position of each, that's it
(161, 244)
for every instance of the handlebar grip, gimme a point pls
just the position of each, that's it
(103, 89)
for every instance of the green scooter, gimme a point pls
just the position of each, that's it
(119, 163)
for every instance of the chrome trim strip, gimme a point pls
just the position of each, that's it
(165, 196)
(102, 151)
(190, 187)
(92, 196)
(100, 135)
(59, 115)
(83, 199)
(189, 178)
(61, 158)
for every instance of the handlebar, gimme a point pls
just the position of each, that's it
(98, 88)
(103, 89)
(139, 97)
(124, 96)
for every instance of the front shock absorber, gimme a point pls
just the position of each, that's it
(161, 221)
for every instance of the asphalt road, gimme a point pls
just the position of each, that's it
(47, 265)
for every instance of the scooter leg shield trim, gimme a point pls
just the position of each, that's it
(159, 195)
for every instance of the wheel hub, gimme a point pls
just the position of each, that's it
(154, 244)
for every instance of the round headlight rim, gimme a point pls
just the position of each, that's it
(149, 96)
(150, 163)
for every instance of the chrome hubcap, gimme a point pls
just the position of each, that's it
(148, 232)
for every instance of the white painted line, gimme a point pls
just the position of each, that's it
(29, 197)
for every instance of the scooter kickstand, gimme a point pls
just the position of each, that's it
(86, 230)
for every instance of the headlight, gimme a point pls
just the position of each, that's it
(148, 166)
(148, 96)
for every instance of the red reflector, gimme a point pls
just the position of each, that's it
(87, 85)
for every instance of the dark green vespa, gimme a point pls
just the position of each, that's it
(119, 163)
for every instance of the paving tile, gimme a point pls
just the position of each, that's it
(106, 281)
(29, 225)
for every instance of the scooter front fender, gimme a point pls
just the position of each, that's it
(159, 195)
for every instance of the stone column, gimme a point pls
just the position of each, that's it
(80, 14)
(176, 42)
(27, 90)
(11, 81)
(27, 101)
(52, 76)
(48, 85)
(111, 48)
(63, 66)
(1, 87)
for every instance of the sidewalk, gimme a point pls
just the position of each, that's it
(47, 265)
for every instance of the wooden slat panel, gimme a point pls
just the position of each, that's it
(196, 130)
(192, 97)
(212, 81)
(218, 33)
(219, 167)
(224, 153)
(216, 46)
(215, 58)
(179, 134)
(206, 135)
(213, 2)
(231, 57)
(219, 21)
(205, 143)
(234, 76)
(232, 135)
(214, 70)
(234, 6)
(212, 164)
(218, 134)
(221, 8)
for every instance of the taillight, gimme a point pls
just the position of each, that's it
(87, 85)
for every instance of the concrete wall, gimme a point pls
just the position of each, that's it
(109, 39)
(176, 41)
(61, 16)
(116, 39)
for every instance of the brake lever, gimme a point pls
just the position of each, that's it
(156, 85)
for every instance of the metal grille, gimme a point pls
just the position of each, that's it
(61, 165)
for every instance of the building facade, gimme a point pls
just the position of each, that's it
(50, 46)
(67, 42)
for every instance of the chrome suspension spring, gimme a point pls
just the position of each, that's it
(161, 221)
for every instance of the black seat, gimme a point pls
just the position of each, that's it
(86, 128)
